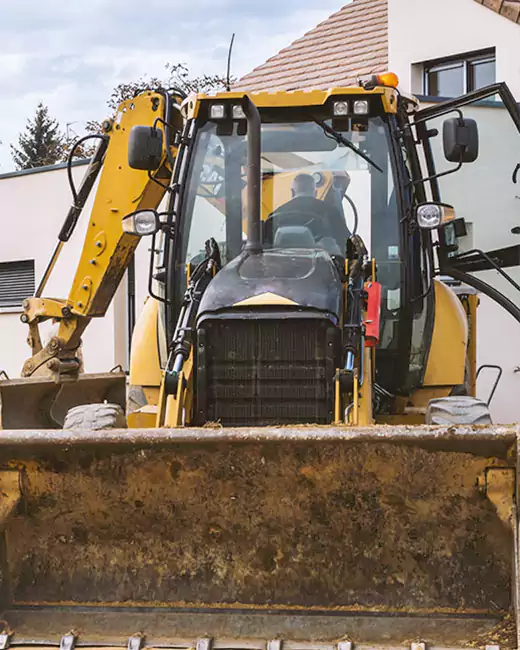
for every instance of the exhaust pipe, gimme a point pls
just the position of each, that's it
(254, 134)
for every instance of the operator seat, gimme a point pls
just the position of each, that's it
(293, 237)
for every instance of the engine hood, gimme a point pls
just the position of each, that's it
(293, 278)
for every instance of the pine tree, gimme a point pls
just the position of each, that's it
(42, 142)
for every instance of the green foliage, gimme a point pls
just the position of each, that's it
(42, 142)
(177, 77)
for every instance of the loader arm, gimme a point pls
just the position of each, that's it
(107, 250)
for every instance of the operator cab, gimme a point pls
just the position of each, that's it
(329, 169)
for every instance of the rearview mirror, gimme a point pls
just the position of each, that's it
(460, 139)
(141, 223)
(145, 146)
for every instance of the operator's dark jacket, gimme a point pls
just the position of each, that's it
(329, 221)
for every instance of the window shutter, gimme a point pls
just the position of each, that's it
(16, 282)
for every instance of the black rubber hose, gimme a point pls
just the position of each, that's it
(356, 215)
(79, 198)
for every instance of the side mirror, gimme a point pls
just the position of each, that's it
(432, 215)
(460, 139)
(145, 147)
(141, 223)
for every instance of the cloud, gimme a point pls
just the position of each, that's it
(70, 55)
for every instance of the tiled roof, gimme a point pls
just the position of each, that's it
(350, 43)
(507, 8)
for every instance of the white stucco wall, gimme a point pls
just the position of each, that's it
(33, 207)
(421, 30)
(482, 193)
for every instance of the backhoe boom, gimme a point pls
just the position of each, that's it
(107, 249)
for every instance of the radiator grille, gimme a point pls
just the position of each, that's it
(266, 372)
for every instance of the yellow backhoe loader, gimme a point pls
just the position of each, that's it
(275, 482)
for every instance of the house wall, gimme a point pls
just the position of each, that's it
(33, 207)
(423, 30)
(420, 31)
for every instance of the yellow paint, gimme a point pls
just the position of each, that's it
(365, 417)
(265, 299)
(174, 409)
(161, 405)
(151, 394)
(354, 413)
(145, 368)
(121, 190)
(189, 389)
(107, 250)
(447, 357)
(175, 405)
(421, 397)
(295, 98)
(338, 419)
(143, 418)
(276, 190)
(470, 303)
(40, 309)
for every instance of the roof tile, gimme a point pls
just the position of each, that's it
(350, 43)
(507, 8)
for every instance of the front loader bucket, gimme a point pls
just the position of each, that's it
(311, 537)
(40, 402)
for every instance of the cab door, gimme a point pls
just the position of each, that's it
(482, 246)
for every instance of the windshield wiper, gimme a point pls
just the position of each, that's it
(341, 140)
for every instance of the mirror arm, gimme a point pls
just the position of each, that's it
(151, 277)
(165, 187)
(434, 176)
(426, 118)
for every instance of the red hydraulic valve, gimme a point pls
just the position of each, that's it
(373, 314)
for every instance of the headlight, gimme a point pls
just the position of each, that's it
(361, 107)
(340, 109)
(217, 111)
(141, 223)
(433, 215)
(429, 215)
(238, 112)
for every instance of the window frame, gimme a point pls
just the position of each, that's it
(12, 268)
(467, 60)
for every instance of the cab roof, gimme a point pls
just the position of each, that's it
(293, 98)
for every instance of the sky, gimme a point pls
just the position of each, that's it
(70, 54)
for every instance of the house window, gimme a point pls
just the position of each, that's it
(459, 75)
(16, 283)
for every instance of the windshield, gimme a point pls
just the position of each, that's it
(318, 187)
